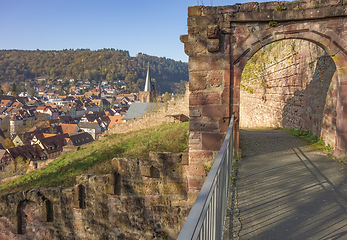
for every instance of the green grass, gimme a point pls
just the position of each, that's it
(311, 138)
(96, 158)
(280, 8)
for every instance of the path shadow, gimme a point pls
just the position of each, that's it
(260, 141)
(306, 109)
(292, 193)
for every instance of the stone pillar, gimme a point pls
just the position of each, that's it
(47, 211)
(208, 47)
(111, 187)
(341, 106)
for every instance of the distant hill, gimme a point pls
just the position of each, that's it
(106, 64)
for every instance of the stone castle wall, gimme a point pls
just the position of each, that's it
(155, 118)
(141, 199)
(296, 89)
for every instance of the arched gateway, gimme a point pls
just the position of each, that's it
(219, 43)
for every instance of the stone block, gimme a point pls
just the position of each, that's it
(195, 145)
(147, 170)
(215, 61)
(215, 79)
(197, 30)
(45, 209)
(212, 141)
(83, 178)
(249, 7)
(226, 96)
(113, 178)
(198, 21)
(119, 164)
(197, 45)
(171, 187)
(114, 163)
(215, 111)
(224, 124)
(196, 169)
(238, 28)
(194, 11)
(235, 92)
(153, 201)
(184, 38)
(111, 189)
(179, 201)
(200, 125)
(195, 184)
(213, 31)
(79, 197)
(213, 45)
(194, 111)
(185, 158)
(254, 16)
(204, 98)
(150, 188)
(197, 81)
(200, 156)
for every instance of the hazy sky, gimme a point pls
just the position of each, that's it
(152, 27)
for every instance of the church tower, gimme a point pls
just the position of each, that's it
(148, 94)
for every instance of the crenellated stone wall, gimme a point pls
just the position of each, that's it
(140, 199)
(158, 116)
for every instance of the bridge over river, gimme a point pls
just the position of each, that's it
(286, 189)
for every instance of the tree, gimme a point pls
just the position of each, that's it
(52, 72)
(167, 97)
(17, 166)
(14, 87)
(180, 87)
(5, 126)
(101, 106)
(32, 92)
(80, 64)
(8, 143)
(6, 87)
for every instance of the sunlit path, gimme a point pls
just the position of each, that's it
(288, 190)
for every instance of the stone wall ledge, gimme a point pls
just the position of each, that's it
(258, 12)
(289, 15)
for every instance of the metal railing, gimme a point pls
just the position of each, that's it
(206, 219)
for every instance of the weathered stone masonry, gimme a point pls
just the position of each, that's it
(219, 43)
(294, 87)
(141, 199)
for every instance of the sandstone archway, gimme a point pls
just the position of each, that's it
(221, 40)
(290, 84)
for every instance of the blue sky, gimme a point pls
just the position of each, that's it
(152, 27)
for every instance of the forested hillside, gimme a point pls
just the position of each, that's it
(106, 64)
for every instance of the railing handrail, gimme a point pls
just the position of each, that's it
(197, 215)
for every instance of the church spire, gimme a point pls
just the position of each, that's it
(148, 81)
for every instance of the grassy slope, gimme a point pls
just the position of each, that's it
(96, 158)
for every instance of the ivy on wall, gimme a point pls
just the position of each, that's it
(254, 75)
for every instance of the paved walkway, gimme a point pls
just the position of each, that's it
(287, 190)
